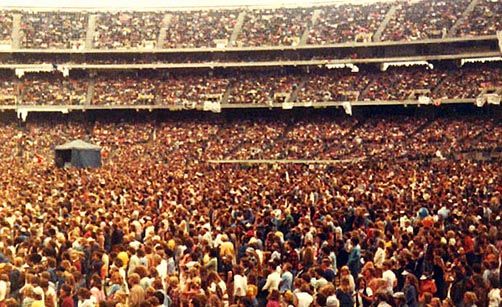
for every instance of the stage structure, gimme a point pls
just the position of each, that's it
(78, 154)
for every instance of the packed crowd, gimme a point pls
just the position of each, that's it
(189, 90)
(127, 29)
(455, 135)
(8, 90)
(272, 27)
(124, 90)
(200, 29)
(484, 20)
(262, 88)
(347, 23)
(158, 225)
(265, 87)
(334, 86)
(351, 139)
(470, 82)
(50, 89)
(60, 30)
(5, 26)
(425, 19)
(404, 83)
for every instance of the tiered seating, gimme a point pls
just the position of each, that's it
(264, 87)
(399, 83)
(49, 89)
(61, 30)
(468, 82)
(255, 88)
(272, 27)
(418, 20)
(5, 26)
(199, 29)
(347, 23)
(191, 89)
(425, 19)
(8, 90)
(127, 29)
(124, 90)
(484, 20)
(334, 86)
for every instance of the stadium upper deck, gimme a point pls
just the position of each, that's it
(249, 56)
(323, 25)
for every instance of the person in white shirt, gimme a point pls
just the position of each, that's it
(240, 282)
(161, 267)
(389, 276)
(332, 301)
(4, 287)
(494, 299)
(364, 293)
(318, 281)
(273, 280)
(217, 285)
(303, 297)
(85, 299)
(379, 255)
(134, 261)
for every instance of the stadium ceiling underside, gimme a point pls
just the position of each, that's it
(307, 104)
(355, 53)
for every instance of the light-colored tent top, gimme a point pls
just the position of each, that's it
(78, 144)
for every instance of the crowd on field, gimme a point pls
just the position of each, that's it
(159, 225)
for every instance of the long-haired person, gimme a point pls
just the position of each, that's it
(410, 290)
(345, 294)
(364, 294)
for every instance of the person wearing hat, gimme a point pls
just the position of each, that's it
(427, 285)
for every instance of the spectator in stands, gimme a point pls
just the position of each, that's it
(61, 30)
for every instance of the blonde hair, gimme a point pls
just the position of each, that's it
(252, 291)
(345, 284)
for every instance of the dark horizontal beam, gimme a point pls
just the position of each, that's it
(324, 104)
(353, 45)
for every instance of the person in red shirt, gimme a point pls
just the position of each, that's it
(291, 256)
(66, 299)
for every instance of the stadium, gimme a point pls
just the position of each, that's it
(342, 153)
